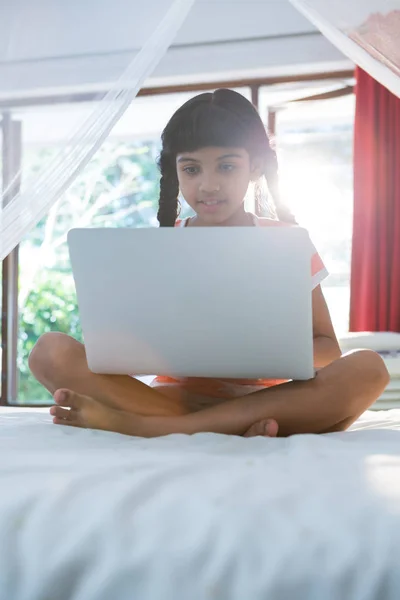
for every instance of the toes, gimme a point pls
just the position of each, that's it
(266, 428)
(67, 422)
(67, 398)
(58, 421)
(271, 428)
(61, 413)
(253, 431)
(64, 416)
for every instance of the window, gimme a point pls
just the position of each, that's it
(315, 144)
(119, 188)
(1, 270)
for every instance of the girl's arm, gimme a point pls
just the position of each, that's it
(326, 347)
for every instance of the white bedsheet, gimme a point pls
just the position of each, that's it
(88, 515)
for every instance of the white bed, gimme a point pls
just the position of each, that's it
(88, 515)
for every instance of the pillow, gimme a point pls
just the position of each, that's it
(387, 396)
(393, 366)
(394, 386)
(380, 341)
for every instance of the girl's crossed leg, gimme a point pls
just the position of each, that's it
(59, 361)
(332, 401)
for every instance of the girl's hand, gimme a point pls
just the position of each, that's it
(266, 428)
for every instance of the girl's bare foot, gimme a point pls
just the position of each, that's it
(78, 410)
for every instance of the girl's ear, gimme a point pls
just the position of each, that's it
(257, 170)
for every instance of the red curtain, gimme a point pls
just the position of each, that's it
(375, 267)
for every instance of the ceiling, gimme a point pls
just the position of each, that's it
(53, 46)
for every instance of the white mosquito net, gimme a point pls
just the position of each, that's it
(27, 29)
(367, 31)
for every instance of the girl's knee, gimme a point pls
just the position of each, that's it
(370, 366)
(50, 349)
(354, 383)
(369, 379)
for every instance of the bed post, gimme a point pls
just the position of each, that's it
(11, 164)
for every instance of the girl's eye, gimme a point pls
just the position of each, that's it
(227, 168)
(191, 170)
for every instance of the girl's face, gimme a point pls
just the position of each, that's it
(214, 182)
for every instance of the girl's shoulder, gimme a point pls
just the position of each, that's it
(181, 223)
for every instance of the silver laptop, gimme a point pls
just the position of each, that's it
(230, 302)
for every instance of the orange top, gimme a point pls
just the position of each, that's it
(230, 388)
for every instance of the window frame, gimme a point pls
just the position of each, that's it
(11, 131)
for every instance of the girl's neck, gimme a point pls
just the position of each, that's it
(240, 218)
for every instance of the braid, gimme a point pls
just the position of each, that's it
(169, 190)
(263, 202)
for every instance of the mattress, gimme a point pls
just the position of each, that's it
(91, 515)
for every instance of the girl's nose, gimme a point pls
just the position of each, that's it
(209, 185)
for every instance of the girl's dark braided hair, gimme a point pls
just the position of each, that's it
(223, 118)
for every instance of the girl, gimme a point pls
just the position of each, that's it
(213, 149)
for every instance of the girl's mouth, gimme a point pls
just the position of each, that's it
(211, 206)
